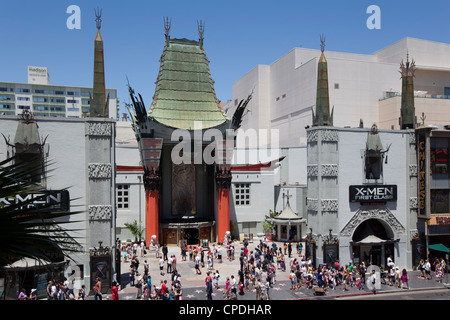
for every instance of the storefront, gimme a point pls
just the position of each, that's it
(192, 233)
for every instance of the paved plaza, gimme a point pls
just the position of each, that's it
(193, 285)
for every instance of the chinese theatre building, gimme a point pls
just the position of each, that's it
(362, 188)
(187, 190)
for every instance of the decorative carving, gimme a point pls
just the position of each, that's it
(413, 202)
(312, 204)
(330, 135)
(99, 129)
(152, 179)
(311, 136)
(329, 170)
(100, 170)
(183, 192)
(414, 234)
(312, 170)
(223, 179)
(381, 214)
(329, 204)
(412, 138)
(413, 170)
(100, 212)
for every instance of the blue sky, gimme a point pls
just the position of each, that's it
(238, 36)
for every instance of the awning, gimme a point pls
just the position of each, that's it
(288, 221)
(438, 247)
(29, 263)
(371, 239)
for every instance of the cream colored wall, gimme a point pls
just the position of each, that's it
(437, 111)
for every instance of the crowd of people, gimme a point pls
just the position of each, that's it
(258, 271)
(427, 266)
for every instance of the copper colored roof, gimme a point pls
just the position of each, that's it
(184, 88)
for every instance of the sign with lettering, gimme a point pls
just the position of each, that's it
(373, 194)
(46, 200)
(443, 219)
(421, 171)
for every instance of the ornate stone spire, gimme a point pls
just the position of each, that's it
(408, 117)
(98, 104)
(322, 116)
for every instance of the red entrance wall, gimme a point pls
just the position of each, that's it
(151, 215)
(223, 208)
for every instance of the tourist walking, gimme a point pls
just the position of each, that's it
(267, 288)
(373, 280)
(405, 279)
(98, 289)
(114, 291)
(209, 289)
(427, 268)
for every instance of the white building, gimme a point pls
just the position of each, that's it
(81, 153)
(46, 100)
(362, 195)
(361, 86)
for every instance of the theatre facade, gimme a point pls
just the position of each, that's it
(182, 140)
(362, 195)
(362, 198)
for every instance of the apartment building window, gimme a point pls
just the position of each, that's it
(6, 90)
(5, 106)
(40, 108)
(57, 109)
(122, 196)
(242, 194)
(40, 99)
(23, 90)
(23, 99)
(5, 97)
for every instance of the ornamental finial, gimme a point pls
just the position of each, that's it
(322, 42)
(98, 20)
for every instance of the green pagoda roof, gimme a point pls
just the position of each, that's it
(184, 88)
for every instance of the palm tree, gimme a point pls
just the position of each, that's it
(28, 229)
(135, 229)
(267, 223)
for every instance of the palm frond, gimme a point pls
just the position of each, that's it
(30, 225)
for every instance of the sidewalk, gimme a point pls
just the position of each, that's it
(193, 285)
